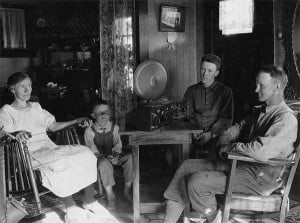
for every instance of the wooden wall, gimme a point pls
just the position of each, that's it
(182, 63)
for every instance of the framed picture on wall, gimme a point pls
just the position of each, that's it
(172, 19)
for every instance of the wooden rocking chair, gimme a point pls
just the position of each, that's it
(20, 178)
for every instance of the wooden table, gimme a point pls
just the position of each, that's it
(177, 133)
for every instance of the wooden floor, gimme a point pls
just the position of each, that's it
(153, 183)
(151, 191)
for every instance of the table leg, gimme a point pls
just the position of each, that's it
(136, 185)
(185, 151)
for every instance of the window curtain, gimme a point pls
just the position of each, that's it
(117, 56)
(13, 28)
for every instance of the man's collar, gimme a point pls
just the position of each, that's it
(271, 107)
(265, 109)
(213, 86)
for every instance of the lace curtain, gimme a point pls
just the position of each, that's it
(117, 56)
(13, 28)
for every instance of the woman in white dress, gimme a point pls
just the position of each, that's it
(65, 170)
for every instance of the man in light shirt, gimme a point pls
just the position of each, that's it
(270, 132)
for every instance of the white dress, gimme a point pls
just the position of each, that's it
(65, 169)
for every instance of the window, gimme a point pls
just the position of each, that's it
(236, 16)
(13, 28)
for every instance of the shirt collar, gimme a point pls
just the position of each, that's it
(104, 128)
(272, 107)
(213, 86)
(265, 109)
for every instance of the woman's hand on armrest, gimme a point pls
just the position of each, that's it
(22, 136)
(56, 126)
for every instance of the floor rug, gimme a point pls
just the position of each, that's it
(293, 215)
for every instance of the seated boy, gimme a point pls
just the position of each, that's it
(103, 138)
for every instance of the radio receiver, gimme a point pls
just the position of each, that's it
(149, 81)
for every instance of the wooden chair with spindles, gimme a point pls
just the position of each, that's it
(66, 136)
(256, 207)
(21, 180)
(274, 205)
(20, 177)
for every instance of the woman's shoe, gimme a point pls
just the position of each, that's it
(100, 212)
(95, 207)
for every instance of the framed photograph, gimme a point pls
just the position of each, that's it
(172, 19)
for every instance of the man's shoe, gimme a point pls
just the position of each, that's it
(215, 217)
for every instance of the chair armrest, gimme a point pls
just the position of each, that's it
(65, 128)
(273, 162)
(65, 136)
(7, 140)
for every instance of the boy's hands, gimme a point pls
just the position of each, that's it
(114, 158)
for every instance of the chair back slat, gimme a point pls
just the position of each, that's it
(8, 167)
(26, 167)
(68, 136)
(14, 169)
(20, 167)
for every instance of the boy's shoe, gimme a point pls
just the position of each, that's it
(111, 205)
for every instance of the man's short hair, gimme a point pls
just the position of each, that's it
(212, 58)
(276, 73)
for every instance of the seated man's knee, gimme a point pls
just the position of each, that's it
(130, 157)
(198, 180)
(104, 164)
(185, 163)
